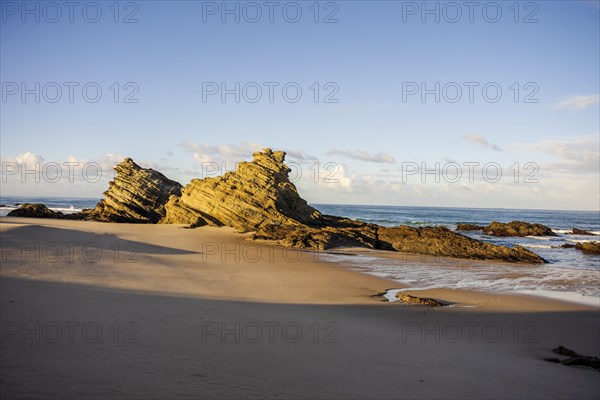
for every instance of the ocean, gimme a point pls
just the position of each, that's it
(569, 275)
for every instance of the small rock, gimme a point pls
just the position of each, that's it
(31, 210)
(407, 298)
(566, 246)
(576, 231)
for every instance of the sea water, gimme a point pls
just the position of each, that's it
(569, 274)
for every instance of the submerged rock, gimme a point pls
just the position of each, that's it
(256, 194)
(576, 231)
(517, 228)
(136, 195)
(588, 247)
(33, 210)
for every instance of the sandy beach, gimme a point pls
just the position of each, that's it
(94, 310)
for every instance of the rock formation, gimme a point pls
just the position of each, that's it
(258, 193)
(588, 247)
(514, 228)
(136, 195)
(32, 210)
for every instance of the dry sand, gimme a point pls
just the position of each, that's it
(92, 310)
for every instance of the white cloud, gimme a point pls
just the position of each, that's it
(576, 103)
(480, 140)
(571, 155)
(205, 153)
(27, 159)
(362, 155)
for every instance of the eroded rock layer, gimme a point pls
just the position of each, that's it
(136, 195)
(258, 193)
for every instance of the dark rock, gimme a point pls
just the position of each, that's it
(469, 227)
(335, 232)
(440, 241)
(588, 247)
(137, 195)
(574, 358)
(566, 246)
(576, 231)
(32, 210)
(563, 351)
(407, 298)
(517, 228)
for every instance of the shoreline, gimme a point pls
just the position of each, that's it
(273, 253)
(184, 322)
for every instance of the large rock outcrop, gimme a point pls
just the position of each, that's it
(440, 241)
(258, 193)
(434, 241)
(136, 195)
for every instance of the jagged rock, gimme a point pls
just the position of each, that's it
(440, 241)
(574, 358)
(576, 231)
(32, 210)
(469, 227)
(257, 194)
(586, 247)
(136, 195)
(407, 298)
(517, 228)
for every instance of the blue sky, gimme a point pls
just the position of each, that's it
(370, 57)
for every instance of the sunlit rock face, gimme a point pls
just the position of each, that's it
(258, 193)
(137, 195)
